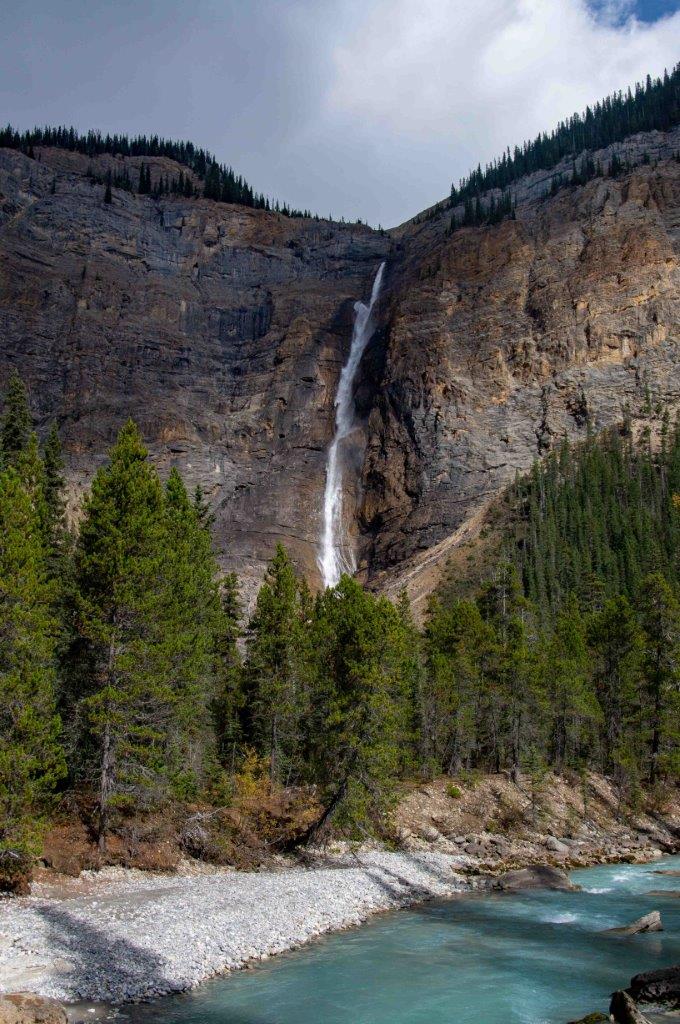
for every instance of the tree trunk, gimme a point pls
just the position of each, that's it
(106, 776)
(310, 833)
(105, 787)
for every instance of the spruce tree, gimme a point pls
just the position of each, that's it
(190, 616)
(276, 670)
(228, 707)
(361, 707)
(574, 708)
(122, 585)
(31, 757)
(660, 619)
(55, 505)
(16, 425)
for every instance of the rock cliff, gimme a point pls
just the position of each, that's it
(222, 330)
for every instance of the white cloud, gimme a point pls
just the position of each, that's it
(365, 108)
(464, 80)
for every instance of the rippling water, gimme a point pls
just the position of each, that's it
(534, 958)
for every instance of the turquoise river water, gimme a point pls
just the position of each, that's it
(531, 958)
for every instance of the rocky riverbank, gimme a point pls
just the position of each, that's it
(125, 935)
(119, 934)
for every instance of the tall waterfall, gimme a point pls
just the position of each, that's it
(337, 555)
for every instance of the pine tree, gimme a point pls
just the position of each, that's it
(31, 757)
(361, 707)
(53, 487)
(122, 594)
(615, 647)
(205, 514)
(228, 709)
(16, 426)
(660, 618)
(574, 709)
(459, 644)
(190, 615)
(276, 670)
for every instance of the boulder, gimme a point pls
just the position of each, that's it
(648, 923)
(591, 1018)
(662, 986)
(556, 846)
(624, 1011)
(539, 876)
(28, 1008)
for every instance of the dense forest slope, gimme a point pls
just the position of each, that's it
(222, 330)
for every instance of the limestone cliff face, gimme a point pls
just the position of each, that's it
(222, 330)
(499, 341)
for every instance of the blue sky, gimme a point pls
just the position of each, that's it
(651, 10)
(361, 108)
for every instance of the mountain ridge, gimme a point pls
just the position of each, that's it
(222, 329)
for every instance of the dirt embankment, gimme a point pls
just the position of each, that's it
(569, 820)
(487, 821)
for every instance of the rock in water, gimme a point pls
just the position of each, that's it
(592, 1018)
(648, 923)
(540, 876)
(662, 986)
(624, 1011)
(28, 1008)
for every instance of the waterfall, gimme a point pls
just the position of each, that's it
(337, 555)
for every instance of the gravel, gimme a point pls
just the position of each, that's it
(126, 935)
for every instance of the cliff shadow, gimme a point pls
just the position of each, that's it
(94, 954)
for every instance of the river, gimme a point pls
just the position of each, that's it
(532, 958)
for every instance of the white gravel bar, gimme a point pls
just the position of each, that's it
(131, 936)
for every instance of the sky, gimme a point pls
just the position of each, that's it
(355, 108)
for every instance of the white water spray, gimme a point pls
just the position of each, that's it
(337, 554)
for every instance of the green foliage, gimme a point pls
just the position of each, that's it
(660, 620)
(579, 664)
(16, 426)
(566, 658)
(276, 670)
(652, 106)
(454, 792)
(361, 703)
(594, 520)
(31, 758)
(221, 182)
(147, 606)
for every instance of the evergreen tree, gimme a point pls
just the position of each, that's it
(16, 426)
(459, 645)
(361, 703)
(276, 671)
(129, 702)
(190, 613)
(55, 507)
(31, 757)
(229, 707)
(615, 646)
(660, 618)
(574, 708)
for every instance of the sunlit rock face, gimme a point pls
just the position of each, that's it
(499, 341)
(223, 331)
